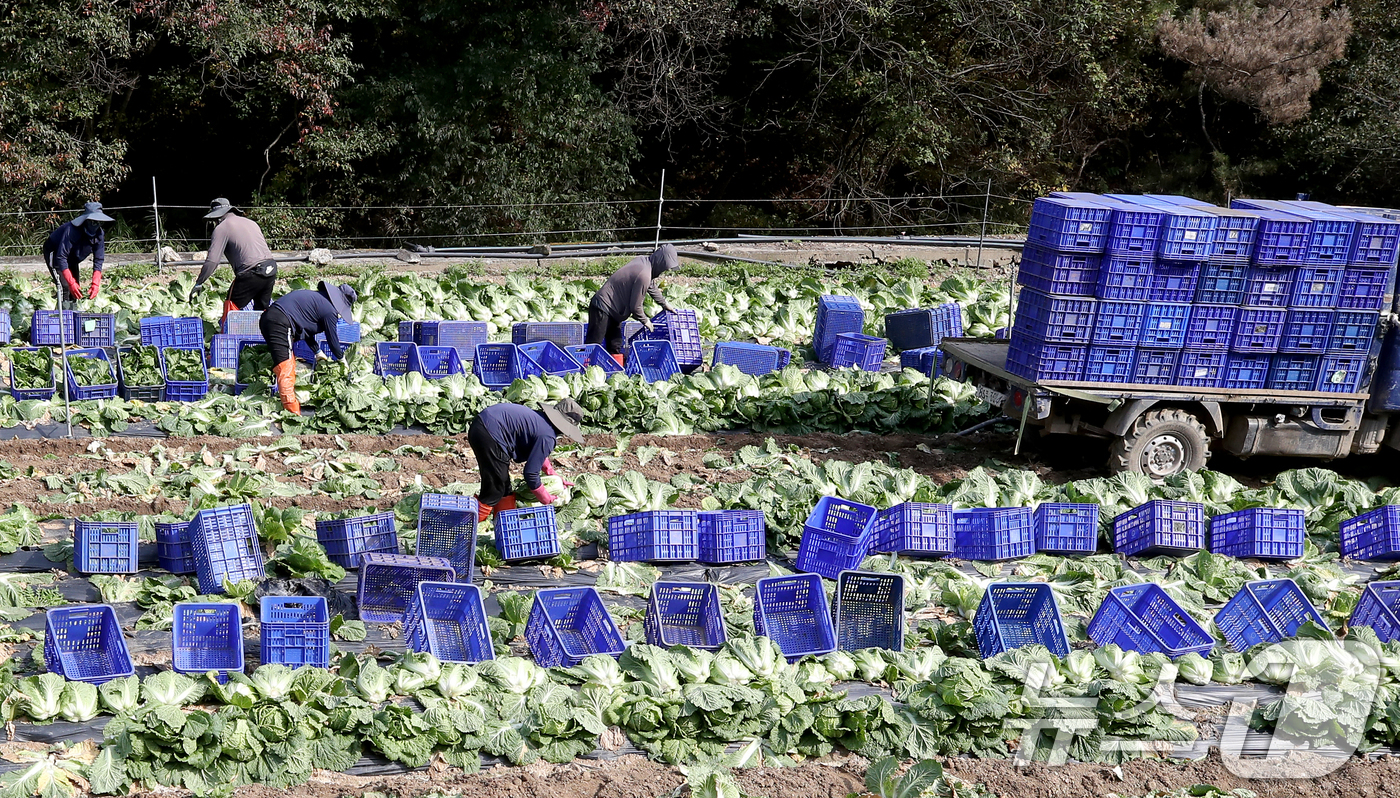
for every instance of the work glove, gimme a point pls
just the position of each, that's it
(543, 495)
(74, 291)
(96, 285)
(665, 308)
(196, 291)
(648, 326)
(550, 472)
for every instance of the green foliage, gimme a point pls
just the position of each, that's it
(141, 366)
(184, 365)
(32, 368)
(90, 371)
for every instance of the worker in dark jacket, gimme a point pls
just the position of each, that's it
(299, 316)
(506, 433)
(71, 243)
(622, 296)
(254, 269)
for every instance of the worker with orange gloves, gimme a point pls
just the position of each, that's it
(505, 433)
(71, 243)
(254, 269)
(299, 316)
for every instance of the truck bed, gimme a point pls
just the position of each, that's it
(989, 355)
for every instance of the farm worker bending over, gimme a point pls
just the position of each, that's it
(254, 270)
(507, 433)
(298, 316)
(622, 295)
(71, 243)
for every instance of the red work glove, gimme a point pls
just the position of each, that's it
(548, 468)
(96, 285)
(74, 290)
(543, 495)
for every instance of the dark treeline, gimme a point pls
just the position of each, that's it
(823, 104)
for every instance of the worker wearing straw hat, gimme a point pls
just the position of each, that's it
(505, 433)
(71, 243)
(254, 269)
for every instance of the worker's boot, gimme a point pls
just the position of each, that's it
(619, 359)
(483, 510)
(285, 373)
(229, 307)
(506, 503)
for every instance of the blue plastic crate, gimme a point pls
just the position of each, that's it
(447, 528)
(437, 362)
(242, 322)
(1307, 331)
(6, 328)
(1196, 369)
(1281, 239)
(655, 536)
(52, 328)
(498, 365)
(865, 352)
(653, 361)
(1164, 325)
(223, 350)
(1016, 614)
(753, 359)
(1316, 286)
(1111, 364)
(1040, 361)
(589, 355)
(134, 393)
(464, 336)
(916, 329)
(1353, 331)
(1143, 618)
(206, 637)
(106, 390)
(567, 625)
(993, 533)
(448, 620)
(173, 550)
(1156, 366)
(1246, 372)
(394, 358)
(1134, 227)
(1341, 372)
(347, 540)
(1119, 323)
(730, 536)
(184, 390)
(1266, 533)
(24, 394)
(1124, 277)
(1222, 283)
(1235, 235)
(1054, 319)
(1376, 241)
(225, 545)
(105, 547)
(1365, 287)
(1067, 225)
(1066, 528)
(682, 329)
(835, 315)
(793, 612)
(560, 333)
(836, 537)
(1374, 535)
(1292, 373)
(1173, 281)
(1258, 330)
(527, 533)
(155, 330)
(927, 361)
(1187, 234)
(684, 614)
(914, 529)
(1379, 608)
(868, 611)
(408, 332)
(1265, 611)
(550, 358)
(100, 329)
(388, 581)
(1211, 327)
(84, 643)
(1266, 287)
(1160, 527)
(1063, 273)
(1333, 238)
(295, 631)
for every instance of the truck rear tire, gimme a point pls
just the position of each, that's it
(1161, 443)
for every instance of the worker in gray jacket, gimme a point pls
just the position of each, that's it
(621, 297)
(254, 270)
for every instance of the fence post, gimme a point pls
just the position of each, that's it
(986, 208)
(155, 208)
(660, 201)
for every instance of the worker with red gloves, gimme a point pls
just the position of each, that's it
(71, 243)
(506, 433)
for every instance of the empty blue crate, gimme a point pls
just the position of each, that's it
(915, 529)
(1119, 323)
(1143, 618)
(928, 360)
(1054, 319)
(868, 611)
(1341, 373)
(1379, 608)
(498, 365)
(394, 358)
(206, 637)
(1307, 331)
(437, 362)
(1164, 325)
(1316, 286)
(527, 533)
(243, 322)
(223, 349)
(753, 359)
(1246, 372)
(1110, 364)
(1156, 366)
(464, 336)
(1196, 369)
(1376, 241)
(560, 333)
(1037, 360)
(1259, 330)
(682, 329)
(567, 625)
(1293, 373)
(1365, 287)
(226, 547)
(793, 612)
(1235, 234)
(730, 536)
(655, 536)
(865, 352)
(835, 315)
(1266, 533)
(550, 358)
(1281, 239)
(1353, 331)
(174, 552)
(52, 328)
(1188, 234)
(1016, 614)
(1067, 225)
(589, 355)
(388, 581)
(106, 390)
(993, 533)
(408, 332)
(105, 547)
(836, 537)
(653, 361)
(1333, 238)
(1211, 327)
(1160, 527)
(295, 631)
(1265, 611)
(1062, 528)
(1372, 536)
(84, 643)
(1063, 273)
(1173, 281)
(1124, 277)
(447, 528)
(6, 328)
(1266, 287)
(347, 540)
(448, 620)
(684, 614)
(915, 329)
(99, 329)
(1222, 283)
(1134, 227)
